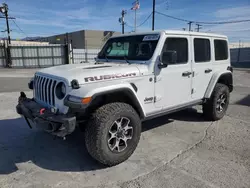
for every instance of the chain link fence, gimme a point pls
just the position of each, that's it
(83, 55)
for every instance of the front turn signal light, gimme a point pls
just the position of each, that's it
(86, 100)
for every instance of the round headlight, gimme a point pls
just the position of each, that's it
(60, 90)
(63, 88)
(31, 84)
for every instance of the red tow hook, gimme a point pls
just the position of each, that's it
(42, 110)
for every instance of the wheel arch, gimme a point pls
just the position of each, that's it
(123, 94)
(220, 77)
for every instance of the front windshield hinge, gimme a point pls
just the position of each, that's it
(99, 62)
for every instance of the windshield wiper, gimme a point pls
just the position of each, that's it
(126, 59)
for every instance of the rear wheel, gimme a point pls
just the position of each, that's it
(112, 133)
(215, 108)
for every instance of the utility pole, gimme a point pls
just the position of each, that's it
(121, 20)
(135, 20)
(190, 25)
(136, 5)
(198, 27)
(4, 10)
(153, 17)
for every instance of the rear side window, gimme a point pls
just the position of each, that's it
(202, 52)
(180, 46)
(221, 49)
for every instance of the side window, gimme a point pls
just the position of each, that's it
(180, 46)
(221, 49)
(202, 52)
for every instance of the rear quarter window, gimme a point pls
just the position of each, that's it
(220, 49)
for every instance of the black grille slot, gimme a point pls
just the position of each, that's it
(44, 89)
(53, 92)
(49, 91)
(46, 97)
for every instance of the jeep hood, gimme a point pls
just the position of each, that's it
(91, 72)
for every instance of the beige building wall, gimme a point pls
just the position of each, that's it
(93, 39)
(84, 39)
(96, 39)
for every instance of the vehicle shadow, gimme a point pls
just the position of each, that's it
(244, 102)
(189, 114)
(18, 144)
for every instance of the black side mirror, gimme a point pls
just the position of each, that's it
(168, 57)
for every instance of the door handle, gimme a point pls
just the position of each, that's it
(187, 73)
(208, 70)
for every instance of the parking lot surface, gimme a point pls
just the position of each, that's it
(178, 150)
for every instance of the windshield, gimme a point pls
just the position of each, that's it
(137, 47)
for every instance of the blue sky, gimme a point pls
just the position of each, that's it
(51, 17)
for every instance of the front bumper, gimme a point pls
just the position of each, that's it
(52, 122)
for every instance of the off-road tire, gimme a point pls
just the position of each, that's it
(209, 108)
(97, 130)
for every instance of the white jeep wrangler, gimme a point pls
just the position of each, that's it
(135, 77)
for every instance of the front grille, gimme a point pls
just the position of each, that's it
(44, 89)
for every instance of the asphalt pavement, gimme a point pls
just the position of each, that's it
(15, 80)
(178, 150)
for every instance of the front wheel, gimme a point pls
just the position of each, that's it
(112, 133)
(215, 108)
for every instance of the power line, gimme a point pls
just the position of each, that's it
(214, 30)
(180, 19)
(10, 18)
(225, 22)
(129, 25)
(19, 28)
(3, 35)
(140, 23)
(202, 22)
(145, 20)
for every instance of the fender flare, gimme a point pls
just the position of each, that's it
(214, 80)
(128, 89)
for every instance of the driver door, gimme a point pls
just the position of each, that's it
(173, 83)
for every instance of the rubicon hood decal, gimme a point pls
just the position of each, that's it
(85, 74)
(108, 77)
